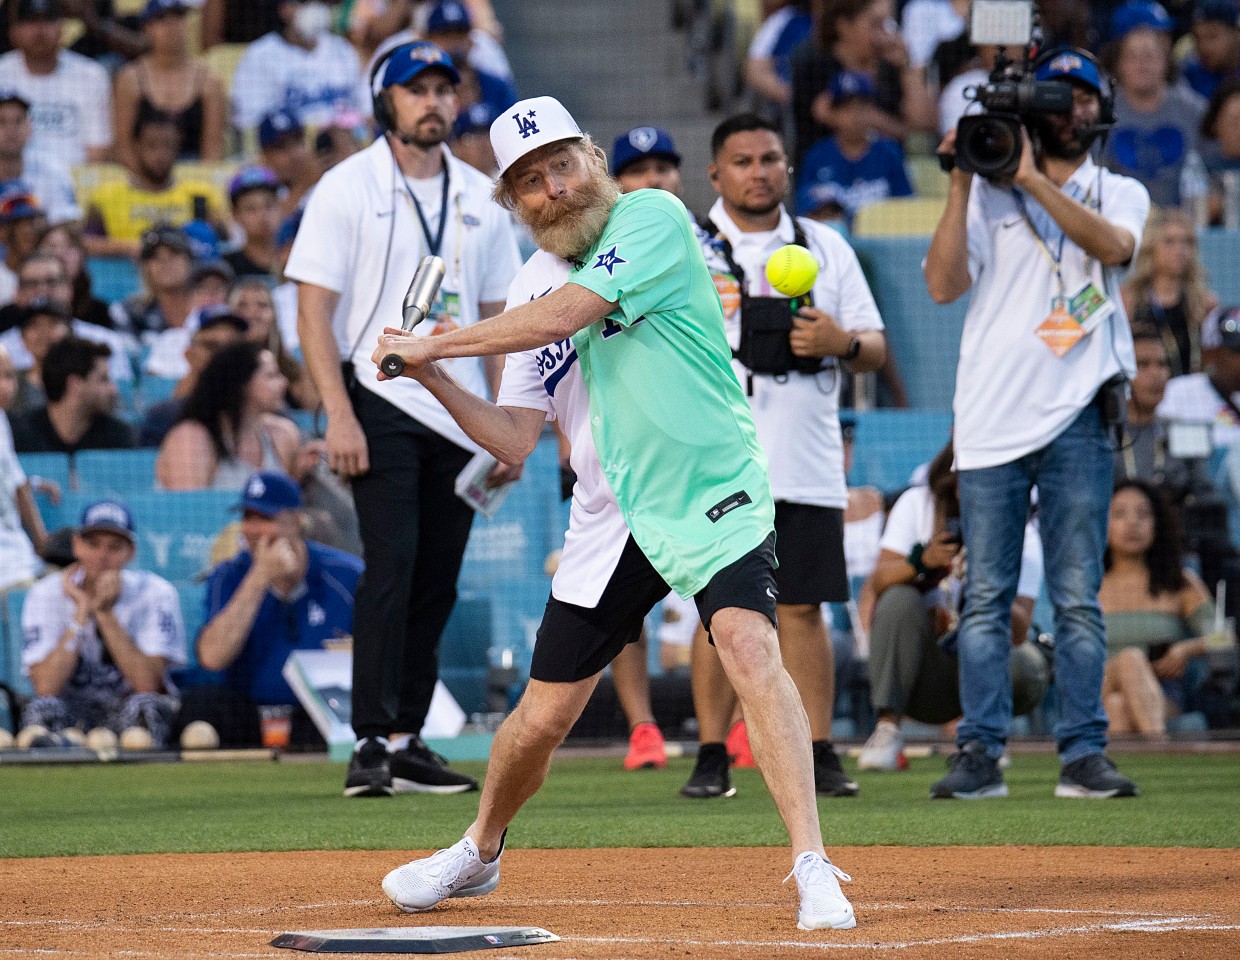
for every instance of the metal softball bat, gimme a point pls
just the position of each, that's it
(418, 301)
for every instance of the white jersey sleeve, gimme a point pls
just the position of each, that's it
(157, 628)
(45, 616)
(909, 522)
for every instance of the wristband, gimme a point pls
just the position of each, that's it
(914, 559)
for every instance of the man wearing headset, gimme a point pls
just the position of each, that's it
(367, 225)
(1044, 360)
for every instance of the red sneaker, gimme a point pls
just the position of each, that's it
(646, 748)
(738, 746)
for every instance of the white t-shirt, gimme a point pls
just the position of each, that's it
(70, 108)
(953, 101)
(18, 561)
(51, 185)
(1192, 398)
(316, 85)
(911, 521)
(348, 243)
(926, 24)
(549, 379)
(1013, 395)
(797, 416)
(119, 367)
(148, 610)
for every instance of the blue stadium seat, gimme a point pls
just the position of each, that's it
(155, 390)
(11, 642)
(49, 466)
(891, 444)
(308, 422)
(176, 529)
(115, 472)
(113, 278)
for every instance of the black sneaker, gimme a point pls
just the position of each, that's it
(1093, 777)
(971, 775)
(369, 773)
(710, 774)
(829, 777)
(418, 769)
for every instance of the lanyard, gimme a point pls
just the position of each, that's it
(432, 246)
(1055, 259)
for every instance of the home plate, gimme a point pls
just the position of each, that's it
(412, 939)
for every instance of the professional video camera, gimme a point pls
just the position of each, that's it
(989, 143)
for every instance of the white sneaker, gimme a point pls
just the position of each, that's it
(884, 750)
(457, 871)
(823, 904)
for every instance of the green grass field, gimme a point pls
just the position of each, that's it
(1187, 801)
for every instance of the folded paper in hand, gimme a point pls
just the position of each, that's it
(471, 485)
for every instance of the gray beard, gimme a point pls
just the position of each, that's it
(571, 231)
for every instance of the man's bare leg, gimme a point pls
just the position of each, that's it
(807, 653)
(778, 728)
(521, 755)
(713, 697)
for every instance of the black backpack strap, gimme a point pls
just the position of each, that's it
(710, 228)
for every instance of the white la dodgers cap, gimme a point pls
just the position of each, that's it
(528, 125)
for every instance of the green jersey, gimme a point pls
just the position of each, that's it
(672, 427)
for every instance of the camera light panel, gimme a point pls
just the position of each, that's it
(1001, 23)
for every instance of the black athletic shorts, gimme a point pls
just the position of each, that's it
(577, 642)
(811, 554)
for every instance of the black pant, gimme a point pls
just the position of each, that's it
(414, 529)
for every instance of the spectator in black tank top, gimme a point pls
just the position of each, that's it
(1168, 289)
(169, 80)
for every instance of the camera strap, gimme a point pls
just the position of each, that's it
(1055, 259)
(725, 248)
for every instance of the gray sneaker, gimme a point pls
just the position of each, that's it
(458, 871)
(971, 775)
(1093, 777)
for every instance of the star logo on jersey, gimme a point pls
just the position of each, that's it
(609, 261)
(526, 126)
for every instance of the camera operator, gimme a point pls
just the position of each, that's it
(1044, 359)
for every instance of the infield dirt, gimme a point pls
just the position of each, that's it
(916, 903)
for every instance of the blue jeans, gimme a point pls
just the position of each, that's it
(1073, 474)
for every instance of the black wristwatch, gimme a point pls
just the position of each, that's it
(854, 348)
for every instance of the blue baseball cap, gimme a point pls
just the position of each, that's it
(476, 118)
(17, 202)
(155, 9)
(252, 178)
(1070, 65)
(850, 84)
(1141, 13)
(812, 196)
(270, 493)
(448, 15)
(110, 516)
(641, 142)
(278, 125)
(410, 59)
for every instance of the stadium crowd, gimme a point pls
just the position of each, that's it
(175, 145)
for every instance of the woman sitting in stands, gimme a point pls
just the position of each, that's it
(1167, 288)
(64, 240)
(250, 298)
(231, 425)
(1158, 614)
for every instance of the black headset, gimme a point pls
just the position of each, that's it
(381, 106)
(1106, 96)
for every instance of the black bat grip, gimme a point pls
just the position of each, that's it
(392, 365)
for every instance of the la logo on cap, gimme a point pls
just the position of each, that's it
(256, 488)
(526, 125)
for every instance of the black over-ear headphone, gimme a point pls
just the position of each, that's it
(381, 106)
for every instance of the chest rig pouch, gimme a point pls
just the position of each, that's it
(766, 322)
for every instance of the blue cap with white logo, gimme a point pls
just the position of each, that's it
(448, 15)
(278, 125)
(1070, 65)
(155, 9)
(1141, 13)
(110, 516)
(641, 142)
(270, 493)
(852, 84)
(410, 59)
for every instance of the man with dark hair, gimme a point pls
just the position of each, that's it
(47, 176)
(1043, 359)
(282, 148)
(614, 327)
(119, 213)
(793, 390)
(166, 262)
(646, 158)
(254, 193)
(80, 400)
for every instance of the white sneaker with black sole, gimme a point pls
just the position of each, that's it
(823, 904)
(458, 871)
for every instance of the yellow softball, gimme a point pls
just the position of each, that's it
(792, 270)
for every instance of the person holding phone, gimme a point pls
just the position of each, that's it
(1158, 614)
(918, 585)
